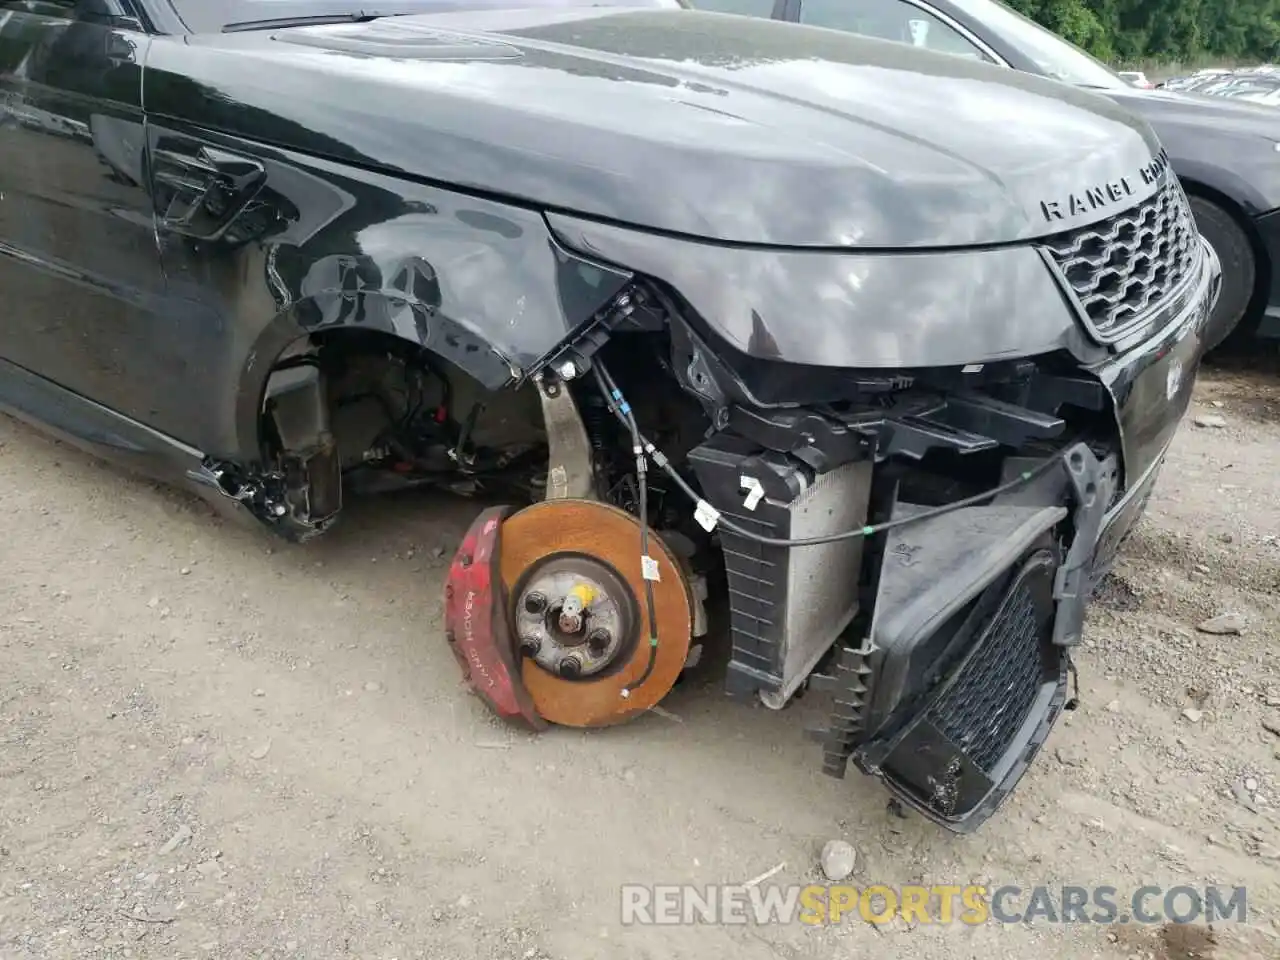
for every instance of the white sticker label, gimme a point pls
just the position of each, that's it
(649, 569)
(755, 492)
(706, 515)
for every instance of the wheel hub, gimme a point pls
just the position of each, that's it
(574, 616)
(572, 574)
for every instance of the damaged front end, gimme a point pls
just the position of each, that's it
(942, 630)
(891, 479)
(966, 518)
(916, 543)
(964, 666)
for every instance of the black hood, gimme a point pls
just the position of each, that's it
(705, 125)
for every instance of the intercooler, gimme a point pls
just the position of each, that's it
(787, 605)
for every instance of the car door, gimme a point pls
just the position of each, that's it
(80, 272)
(900, 21)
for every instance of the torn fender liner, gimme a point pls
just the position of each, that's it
(476, 622)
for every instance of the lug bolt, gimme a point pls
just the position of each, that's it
(535, 603)
(598, 641)
(530, 646)
(570, 667)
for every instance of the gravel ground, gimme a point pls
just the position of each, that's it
(215, 745)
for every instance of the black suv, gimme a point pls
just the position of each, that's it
(872, 351)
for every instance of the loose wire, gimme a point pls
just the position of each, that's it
(643, 449)
(707, 511)
(622, 410)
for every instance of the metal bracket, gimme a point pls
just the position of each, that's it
(1093, 484)
(569, 465)
(692, 364)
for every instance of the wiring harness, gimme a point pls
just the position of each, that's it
(709, 518)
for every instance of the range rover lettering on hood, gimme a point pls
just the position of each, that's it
(1105, 195)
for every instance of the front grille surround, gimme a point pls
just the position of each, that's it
(1121, 271)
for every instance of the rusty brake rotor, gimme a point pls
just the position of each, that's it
(572, 573)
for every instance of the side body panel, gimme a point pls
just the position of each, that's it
(154, 272)
(1269, 323)
(108, 434)
(79, 271)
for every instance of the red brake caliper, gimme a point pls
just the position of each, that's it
(476, 622)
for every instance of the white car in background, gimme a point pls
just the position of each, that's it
(1137, 78)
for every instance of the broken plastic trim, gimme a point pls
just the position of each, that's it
(266, 496)
(301, 495)
(942, 764)
(1093, 485)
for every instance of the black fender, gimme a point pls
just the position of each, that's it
(294, 245)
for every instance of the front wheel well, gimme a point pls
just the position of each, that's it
(350, 411)
(345, 359)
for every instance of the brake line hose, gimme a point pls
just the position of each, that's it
(648, 566)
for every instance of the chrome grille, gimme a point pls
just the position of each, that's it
(1126, 266)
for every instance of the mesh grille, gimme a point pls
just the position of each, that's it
(986, 706)
(1123, 267)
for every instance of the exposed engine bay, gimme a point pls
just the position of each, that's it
(917, 546)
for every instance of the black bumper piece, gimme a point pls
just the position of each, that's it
(965, 667)
(968, 744)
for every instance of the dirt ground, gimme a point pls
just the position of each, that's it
(215, 745)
